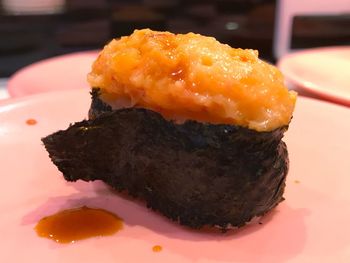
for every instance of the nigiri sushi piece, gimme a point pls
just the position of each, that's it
(189, 125)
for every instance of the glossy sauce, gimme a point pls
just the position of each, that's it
(72, 225)
(157, 248)
(31, 122)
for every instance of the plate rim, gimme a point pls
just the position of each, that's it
(310, 87)
(33, 98)
(11, 82)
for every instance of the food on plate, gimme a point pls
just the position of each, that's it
(189, 125)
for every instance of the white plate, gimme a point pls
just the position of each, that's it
(324, 72)
(311, 225)
(58, 73)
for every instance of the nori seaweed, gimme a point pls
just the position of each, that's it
(194, 173)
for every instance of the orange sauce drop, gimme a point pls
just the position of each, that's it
(31, 122)
(157, 248)
(71, 225)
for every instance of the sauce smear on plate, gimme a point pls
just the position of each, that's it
(157, 248)
(71, 225)
(31, 122)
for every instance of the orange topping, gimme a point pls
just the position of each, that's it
(193, 77)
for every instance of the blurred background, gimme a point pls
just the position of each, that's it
(33, 30)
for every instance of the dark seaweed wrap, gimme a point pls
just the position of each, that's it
(194, 173)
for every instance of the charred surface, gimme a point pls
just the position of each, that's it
(197, 174)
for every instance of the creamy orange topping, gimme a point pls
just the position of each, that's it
(189, 76)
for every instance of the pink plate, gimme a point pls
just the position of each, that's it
(57, 73)
(311, 225)
(323, 72)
